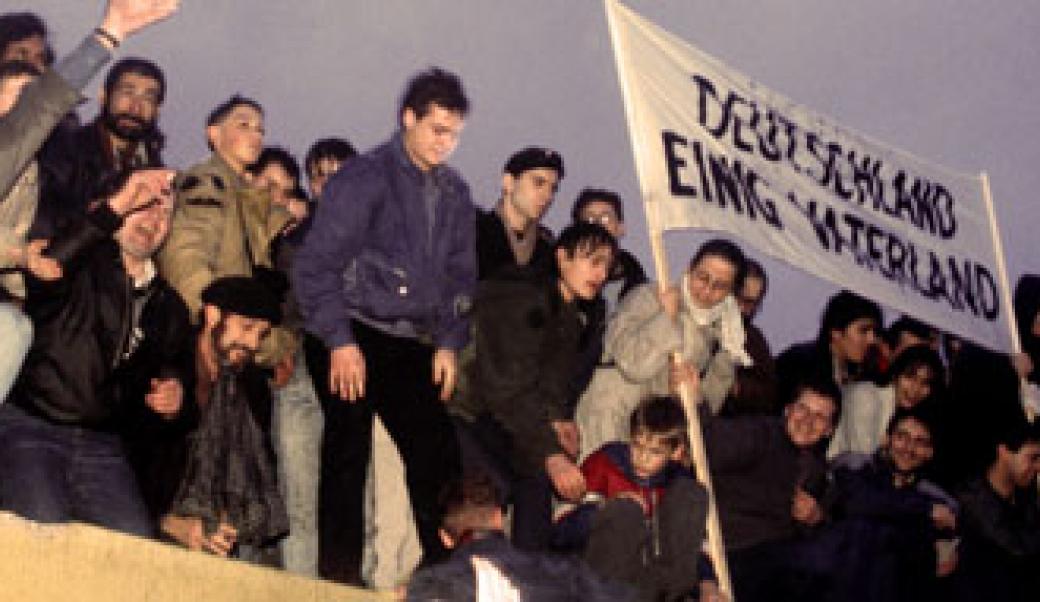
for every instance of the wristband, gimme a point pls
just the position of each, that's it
(107, 35)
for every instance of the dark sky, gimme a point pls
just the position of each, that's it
(952, 81)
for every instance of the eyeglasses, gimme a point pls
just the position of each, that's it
(904, 436)
(604, 218)
(703, 279)
(820, 420)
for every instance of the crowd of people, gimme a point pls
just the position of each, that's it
(228, 357)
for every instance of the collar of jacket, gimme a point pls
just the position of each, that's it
(621, 455)
(408, 166)
(224, 170)
(146, 149)
(882, 465)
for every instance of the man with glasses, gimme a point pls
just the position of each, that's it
(604, 207)
(893, 528)
(768, 474)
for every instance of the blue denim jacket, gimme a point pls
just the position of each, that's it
(371, 255)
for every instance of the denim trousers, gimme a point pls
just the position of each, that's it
(54, 473)
(296, 432)
(16, 335)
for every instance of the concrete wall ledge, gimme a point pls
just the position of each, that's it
(82, 563)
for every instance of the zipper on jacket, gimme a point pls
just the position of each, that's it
(124, 331)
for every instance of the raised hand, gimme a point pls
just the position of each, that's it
(125, 17)
(142, 189)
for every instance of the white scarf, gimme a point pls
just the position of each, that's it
(727, 314)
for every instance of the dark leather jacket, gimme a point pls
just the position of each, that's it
(79, 167)
(88, 364)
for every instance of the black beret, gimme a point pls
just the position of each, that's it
(244, 296)
(533, 157)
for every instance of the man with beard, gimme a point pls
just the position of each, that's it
(80, 167)
(228, 499)
(110, 341)
(31, 120)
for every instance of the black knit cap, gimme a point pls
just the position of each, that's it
(534, 157)
(244, 296)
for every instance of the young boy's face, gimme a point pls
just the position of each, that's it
(650, 454)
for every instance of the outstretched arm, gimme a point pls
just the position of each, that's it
(44, 102)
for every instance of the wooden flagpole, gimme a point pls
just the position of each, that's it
(716, 547)
(1005, 284)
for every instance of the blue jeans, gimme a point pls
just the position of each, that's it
(54, 473)
(16, 333)
(296, 432)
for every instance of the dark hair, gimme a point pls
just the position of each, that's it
(908, 325)
(585, 236)
(914, 357)
(276, 154)
(137, 66)
(338, 149)
(921, 413)
(1027, 306)
(843, 309)
(661, 416)
(434, 86)
(821, 384)
(15, 27)
(727, 250)
(755, 270)
(18, 69)
(225, 108)
(1012, 430)
(468, 503)
(590, 195)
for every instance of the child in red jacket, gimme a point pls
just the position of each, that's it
(642, 520)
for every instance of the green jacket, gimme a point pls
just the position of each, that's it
(221, 227)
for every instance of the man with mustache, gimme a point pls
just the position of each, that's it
(79, 167)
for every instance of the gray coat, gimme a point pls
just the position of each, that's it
(42, 104)
(23, 130)
(639, 341)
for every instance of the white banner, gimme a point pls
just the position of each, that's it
(719, 151)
